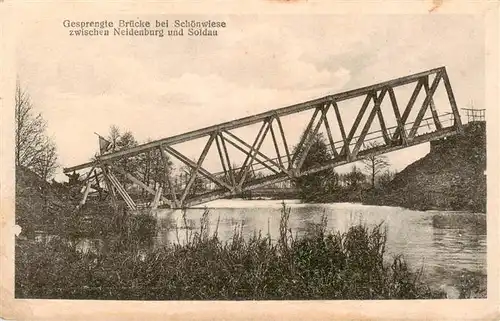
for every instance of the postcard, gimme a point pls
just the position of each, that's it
(261, 160)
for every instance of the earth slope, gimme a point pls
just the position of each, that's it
(451, 177)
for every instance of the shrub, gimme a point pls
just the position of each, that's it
(319, 265)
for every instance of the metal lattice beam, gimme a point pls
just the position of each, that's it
(326, 114)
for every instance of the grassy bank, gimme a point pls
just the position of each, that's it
(451, 177)
(320, 265)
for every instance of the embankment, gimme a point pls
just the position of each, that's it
(452, 176)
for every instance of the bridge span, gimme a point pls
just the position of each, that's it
(409, 110)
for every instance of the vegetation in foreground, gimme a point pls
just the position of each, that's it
(320, 265)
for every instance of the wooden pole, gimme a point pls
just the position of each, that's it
(85, 194)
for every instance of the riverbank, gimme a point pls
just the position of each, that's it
(451, 177)
(127, 263)
(320, 265)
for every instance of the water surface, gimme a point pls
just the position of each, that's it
(445, 244)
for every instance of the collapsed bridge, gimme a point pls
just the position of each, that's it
(409, 110)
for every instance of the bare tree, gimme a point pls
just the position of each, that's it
(33, 148)
(374, 164)
(114, 136)
(120, 141)
(47, 163)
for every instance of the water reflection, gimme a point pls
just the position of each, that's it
(443, 243)
(450, 246)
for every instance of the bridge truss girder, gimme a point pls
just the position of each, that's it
(289, 163)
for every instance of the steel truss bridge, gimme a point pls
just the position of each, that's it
(347, 142)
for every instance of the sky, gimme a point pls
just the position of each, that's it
(157, 87)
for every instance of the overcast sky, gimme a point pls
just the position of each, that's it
(157, 87)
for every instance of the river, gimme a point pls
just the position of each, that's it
(448, 245)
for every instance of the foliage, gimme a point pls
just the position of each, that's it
(386, 178)
(327, 185)
(152, 170)
(198, 185)
(354, 178)
(375, 164)
(320, 265)
(121, 141)
(34, 149)
(315, 187)
(148, 167)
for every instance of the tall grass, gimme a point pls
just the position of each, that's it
(319, 265)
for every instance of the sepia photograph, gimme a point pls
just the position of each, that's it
(246, 157)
